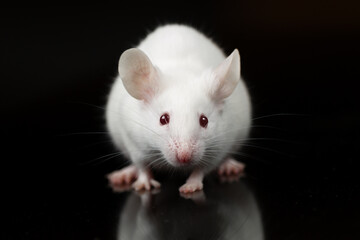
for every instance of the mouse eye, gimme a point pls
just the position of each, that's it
(164, 119)
(203, 121)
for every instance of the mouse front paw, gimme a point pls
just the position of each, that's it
(191, 186)
(123, 176)
(145, 182)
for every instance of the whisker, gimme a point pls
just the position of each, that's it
(259, 147)
(83, 133)
(88, 104)
(240, 141)
(128, 119)
(279, 114)
(270, 150)
(107, 157)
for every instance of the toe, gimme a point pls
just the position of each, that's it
(191, 187)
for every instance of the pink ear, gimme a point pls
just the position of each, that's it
(138, 74)
(225, 77)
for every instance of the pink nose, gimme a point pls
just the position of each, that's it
(183, 157)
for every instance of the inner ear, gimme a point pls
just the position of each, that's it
(138, 74)
(225, 77)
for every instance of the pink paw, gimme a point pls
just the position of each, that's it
(191, 186)
(124, 176)
(231, 167)
(144, 182)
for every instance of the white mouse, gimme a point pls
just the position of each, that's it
(179, 103)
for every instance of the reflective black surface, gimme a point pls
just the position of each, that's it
(233, 214)
(301, 64)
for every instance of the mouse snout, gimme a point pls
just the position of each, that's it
(183, 151)
(183, 156)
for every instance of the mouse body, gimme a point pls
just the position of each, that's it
(180, 103)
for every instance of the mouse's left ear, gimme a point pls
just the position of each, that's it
(225, 77)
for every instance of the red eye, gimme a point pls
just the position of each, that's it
(164, 119)
(203, 121)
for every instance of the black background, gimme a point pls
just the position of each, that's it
(300, 61)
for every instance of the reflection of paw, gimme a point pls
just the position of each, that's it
(231, 167)
(191, 186)
(118, 188)
(230, 178)
(153, 191)
(146, 197)
(124, 176)
(198, 197)
(144, 183)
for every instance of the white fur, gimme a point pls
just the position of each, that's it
(186, 71)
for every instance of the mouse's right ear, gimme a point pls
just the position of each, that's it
(138, 74)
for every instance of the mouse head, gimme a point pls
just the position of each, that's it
(183, 110)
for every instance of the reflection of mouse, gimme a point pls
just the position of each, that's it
(230, 212)
(177, 103)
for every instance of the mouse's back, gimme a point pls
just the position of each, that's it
(177, 45)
